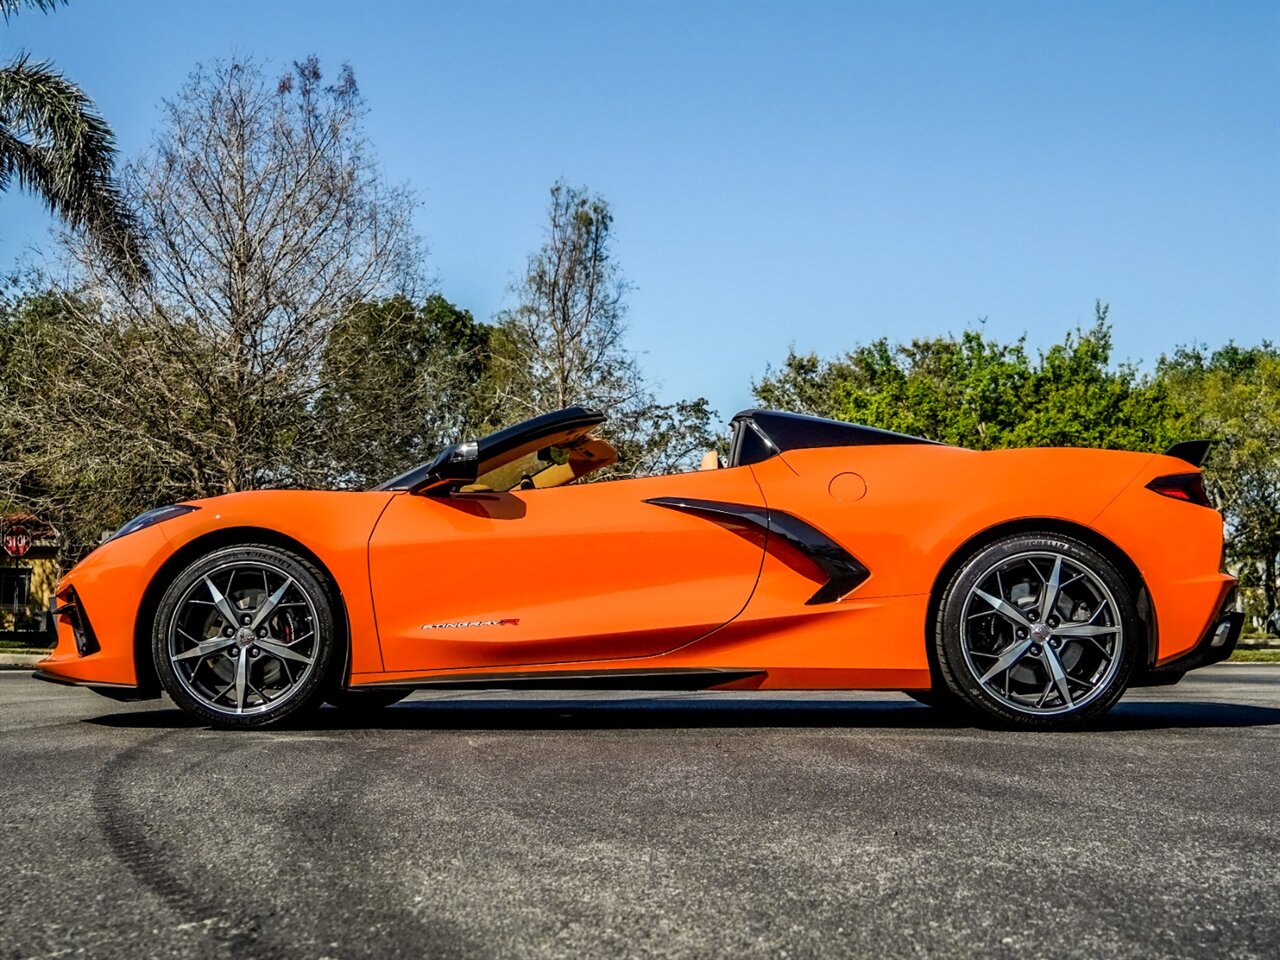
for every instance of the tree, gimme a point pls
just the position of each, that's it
(400, 381)
(78, 453)
(22, 333)
(1232, 396)
(564, 343)
(54, 144)
(662, 438)
(975, 392)
(947, 389)
(269, 222)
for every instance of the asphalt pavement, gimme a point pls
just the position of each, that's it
(643, 825)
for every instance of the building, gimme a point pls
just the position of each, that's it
(29, 572)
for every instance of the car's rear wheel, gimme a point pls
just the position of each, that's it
(245, 637)
(1037, 630)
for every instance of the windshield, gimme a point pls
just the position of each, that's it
(518, 473)
(548, 467)
(558, 428)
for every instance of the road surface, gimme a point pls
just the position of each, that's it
(694, 825)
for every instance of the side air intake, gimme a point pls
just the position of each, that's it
(841, 568)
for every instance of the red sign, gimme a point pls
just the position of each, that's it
(17, 541)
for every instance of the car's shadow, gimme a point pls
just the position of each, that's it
(663, 714)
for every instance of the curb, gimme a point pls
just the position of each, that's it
(22, 661)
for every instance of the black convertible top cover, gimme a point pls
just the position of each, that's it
(1192, 451)
(796, 431)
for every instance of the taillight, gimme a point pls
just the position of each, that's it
(1182, 486)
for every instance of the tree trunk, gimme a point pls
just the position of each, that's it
(1269, 577)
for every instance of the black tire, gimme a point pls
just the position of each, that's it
(358, 702)
(300, 628)
(1071, 649)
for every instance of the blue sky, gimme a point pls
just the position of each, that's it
(807, 174)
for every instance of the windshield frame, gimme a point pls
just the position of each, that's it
(556, 429)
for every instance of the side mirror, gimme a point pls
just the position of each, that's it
(456, 466)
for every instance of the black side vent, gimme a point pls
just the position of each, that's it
(842, 569)
(81, 628)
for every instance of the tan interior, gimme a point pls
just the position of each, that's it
(583, 456)
(586, 457)
(710, 461)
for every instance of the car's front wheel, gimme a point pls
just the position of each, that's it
(245, 637)
(1037, 630)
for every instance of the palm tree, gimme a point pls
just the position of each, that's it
(54, 144)
(9, 7)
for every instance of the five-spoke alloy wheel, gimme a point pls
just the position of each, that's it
(245, 636)
(1037, 631)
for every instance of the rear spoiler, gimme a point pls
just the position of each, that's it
(1192, 451)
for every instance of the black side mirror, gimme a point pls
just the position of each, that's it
(456, 466)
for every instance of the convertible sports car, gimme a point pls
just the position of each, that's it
(1027, 587)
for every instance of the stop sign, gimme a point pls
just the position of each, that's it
(17, 541)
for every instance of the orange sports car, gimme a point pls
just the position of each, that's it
(1028, 587)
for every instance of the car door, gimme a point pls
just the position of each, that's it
(576, 573)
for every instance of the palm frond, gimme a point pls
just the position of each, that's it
(9, 7)
(57, 146)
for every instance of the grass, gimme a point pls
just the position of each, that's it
(1255, 656)
(16, 646)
